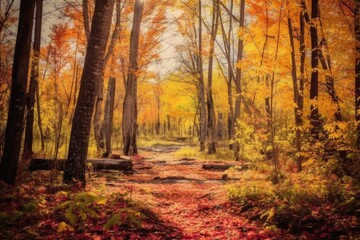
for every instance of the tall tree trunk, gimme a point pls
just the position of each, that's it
(202, 100)
(92, 73)
(238, 78)
(274, 151)
(34, 81)
(297, 112)
(325, 61)
(15, 121)
(99, 134)
(357, 71)
(158, 123)
(314, 83)
(39, 121)
(227, 39)
(210, 102)
(109, 114)
(130, 101)
(302, 78)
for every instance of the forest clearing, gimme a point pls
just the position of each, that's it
(186, 119)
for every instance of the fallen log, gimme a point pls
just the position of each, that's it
(94, 164)
(216, 167)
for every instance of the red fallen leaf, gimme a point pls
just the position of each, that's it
(251, 235)
(188, 236)
(137, 157)
(324, 235)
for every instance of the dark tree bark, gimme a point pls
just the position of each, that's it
(130, 102)
(109, 114)
(100, 135)
(201, 87)
(238, 78)
(314, 83)
(92, 73)
(227, 39)
(297, 112)
(211, 121)
(357, 71)
(15, 121)
(34, 81)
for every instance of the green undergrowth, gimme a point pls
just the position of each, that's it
(29, 211)
(314, 206)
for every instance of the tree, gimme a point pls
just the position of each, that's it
(238, 76)
(15, 121)
(130, 101)
(211, 121)
(297, 111)
(227, 37)
(92, 74)
(357, 71)
(109, 114)
(201, 84)
(34, 81)
(101, 136)
(314, 82)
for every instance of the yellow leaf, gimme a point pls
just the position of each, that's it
(62, 227)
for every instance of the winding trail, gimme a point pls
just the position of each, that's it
(185, 196)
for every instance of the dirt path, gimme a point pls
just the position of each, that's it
(186, 197)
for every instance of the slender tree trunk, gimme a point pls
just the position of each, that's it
(302, 78)
(98, 133)
(314, 84)
(238, 78)
(34, 81)
(226, 35)
(92, 74)
(210, 102)
(86, 19)
(158, 124)
(15, 121)
(274, 151)
(202, 100)
(297, 112)
(130, 102)
(39, 121)
(109, 114)
(357, 71)
(330, 83)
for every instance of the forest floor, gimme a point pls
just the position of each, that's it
(167, 197)
(185, 196)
